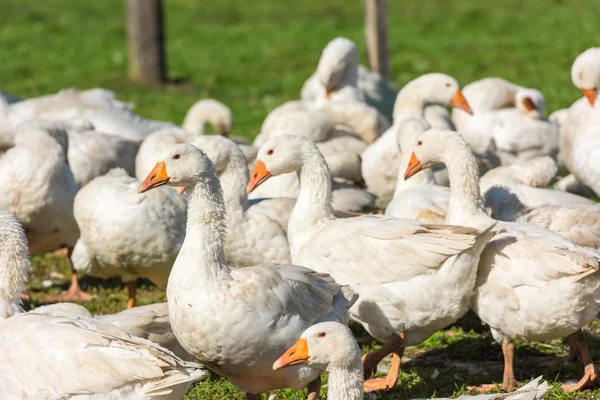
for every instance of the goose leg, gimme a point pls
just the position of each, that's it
(394, 346)
(372, 359)
(313, 389)
(508, 382)
(131, 293)
(74, 292)
(590, 377)
(390, 379)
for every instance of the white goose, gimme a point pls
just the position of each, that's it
(529, 180)
(580, 133)
(532, 283)
(39, 188)
(418, 198)
(381, 160)
(123, 234)
(395, 303)
(97, 359)
(253, 235)
(237, 321)
(329, 346)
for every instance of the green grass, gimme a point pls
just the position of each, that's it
(256, 55)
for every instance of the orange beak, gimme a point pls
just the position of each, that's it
(295, 355)
(528, 105)
(414, 166)
(591, 95)
(328, 91)
(459, 101)
(157, 177)
(259, 175)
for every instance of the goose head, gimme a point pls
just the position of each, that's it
(431, 148)
(180, 165)
(435, 89)
(339, 59)
(585, 73)
(530, 102)
(217, 114)
(280, 155)
(323, 345)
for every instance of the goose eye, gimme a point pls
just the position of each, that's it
(176, 157)
(419, 143)
(270, 152)
(448, 84)
(321, 334)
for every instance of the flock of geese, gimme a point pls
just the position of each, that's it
(264, 269)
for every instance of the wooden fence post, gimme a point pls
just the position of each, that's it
(377, 37)
(145, 38)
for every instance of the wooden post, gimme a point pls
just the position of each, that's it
(377, 37)
(146, 41)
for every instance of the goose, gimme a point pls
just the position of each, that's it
(510, 117)
(87, 348)
(579, 136)
(532, 283)
(394, 303)
(237, 321)
(528, 181)
(380, 164)
(91, 153)
(580, 223)
(126, 235)
(152, 146)
(38, 187)
(329, 346)
(418, 198)
(253, 237)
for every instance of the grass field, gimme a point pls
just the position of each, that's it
(256, 55)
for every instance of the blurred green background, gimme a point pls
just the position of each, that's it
(253, 55)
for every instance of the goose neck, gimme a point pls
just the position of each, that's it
(233, 181)
(346, 382)
(203, 246)
(14, 266)
(409, 105)
(466, 205)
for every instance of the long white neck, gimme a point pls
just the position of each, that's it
(466, 206)
(14, 265)
(204, 240)
(346, 383)
(313, 208)
(410, 104)
(234, 180)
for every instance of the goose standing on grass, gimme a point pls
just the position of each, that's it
(237, 321)
(38, 187)
(329, 346)
(396, 294)
(126, 235)
(97, 359)
(253, 235)
(532, 283)
(418, 198)
(580, 133)
(381, 160)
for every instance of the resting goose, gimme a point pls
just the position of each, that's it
(253, 236)
(38, 187)
(237, 321)
(395, 293)
(96, 358)
(126, 235)
(508, 118)
(580, 133)
(381, 160)
(329, 346)
(532, 283)
(529, 180)
(418, 198)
